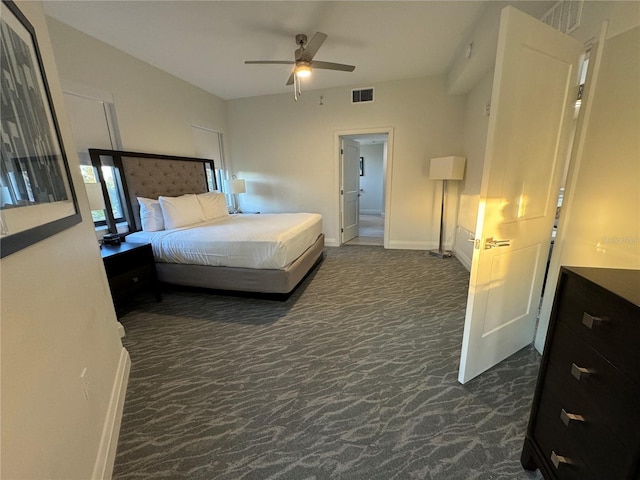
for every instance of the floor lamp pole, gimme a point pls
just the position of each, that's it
(441, 252)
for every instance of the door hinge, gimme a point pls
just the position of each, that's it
(342, 230)
(341, 151)
(341, 192)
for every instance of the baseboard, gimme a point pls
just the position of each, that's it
(408, 245)
(103, 467)
(331, 242)
(463, 258)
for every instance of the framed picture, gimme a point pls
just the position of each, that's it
(361, 166)
(37, 198)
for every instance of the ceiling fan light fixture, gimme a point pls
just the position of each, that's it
(302, 70)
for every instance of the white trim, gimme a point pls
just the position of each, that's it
(105, 459)
(462, 258)
(388, 173)
(412, 245)
(85, 91)
(331, 242)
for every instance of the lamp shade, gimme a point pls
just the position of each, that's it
(235, 185)
(447, 168)
(94, 193)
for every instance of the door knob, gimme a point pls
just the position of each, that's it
(492, 243)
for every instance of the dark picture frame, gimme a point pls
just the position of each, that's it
(37, 198)
(362, 166)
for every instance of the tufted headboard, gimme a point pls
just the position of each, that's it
(150, 175)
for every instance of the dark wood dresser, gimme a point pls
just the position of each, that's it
(585, 419)
(130, 269)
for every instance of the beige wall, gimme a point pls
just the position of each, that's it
(154, 109)
(476, 124)
(287, 151)
(56, 320)
(600, 221)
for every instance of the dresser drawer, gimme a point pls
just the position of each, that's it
(608, 323)
(587, 427)
(610, 394)
(556, 445)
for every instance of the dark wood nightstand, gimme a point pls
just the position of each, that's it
(130, 269)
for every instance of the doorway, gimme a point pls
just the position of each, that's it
(372, 199)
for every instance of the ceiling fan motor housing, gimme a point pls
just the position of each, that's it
(301, 39)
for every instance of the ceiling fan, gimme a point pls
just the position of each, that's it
(304, 62)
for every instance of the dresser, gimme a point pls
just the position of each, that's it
(130, 269)
(585, 418)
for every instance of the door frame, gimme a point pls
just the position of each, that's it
(387, 180)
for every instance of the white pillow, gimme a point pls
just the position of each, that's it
(150, 215)
(214, 205)
(181, 211)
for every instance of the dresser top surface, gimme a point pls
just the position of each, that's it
(621, 282)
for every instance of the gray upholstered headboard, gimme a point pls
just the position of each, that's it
(150, 175)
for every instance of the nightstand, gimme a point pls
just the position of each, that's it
(130, 269)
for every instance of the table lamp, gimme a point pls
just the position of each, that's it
(234, 186)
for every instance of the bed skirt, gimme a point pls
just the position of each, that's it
(243, 279)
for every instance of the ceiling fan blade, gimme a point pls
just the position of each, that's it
(333, 66)
(290, 81)
(313, 46)
(268, 62)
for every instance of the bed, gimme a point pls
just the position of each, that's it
(256, 253)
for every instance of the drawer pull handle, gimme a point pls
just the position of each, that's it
(580, 373)
(591, 321)
(559, 460)
(567, 418)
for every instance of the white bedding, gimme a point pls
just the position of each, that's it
(269, 241)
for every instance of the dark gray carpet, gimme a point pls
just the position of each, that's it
(354, 377)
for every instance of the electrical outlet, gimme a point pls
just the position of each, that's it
(84, 379)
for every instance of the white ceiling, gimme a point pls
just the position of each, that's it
(206, 42)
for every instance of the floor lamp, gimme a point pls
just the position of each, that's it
(445, 168)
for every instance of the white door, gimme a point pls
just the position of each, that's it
(534, 89)
(349, 188)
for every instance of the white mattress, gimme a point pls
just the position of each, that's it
(270, 241)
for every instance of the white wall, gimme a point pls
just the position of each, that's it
(155, 110)
(372, 195)
(57, 319)
(600, 221)
(476, 124)
(287, 153)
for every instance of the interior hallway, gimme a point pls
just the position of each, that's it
(370, 231)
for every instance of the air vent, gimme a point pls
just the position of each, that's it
(362, 95)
